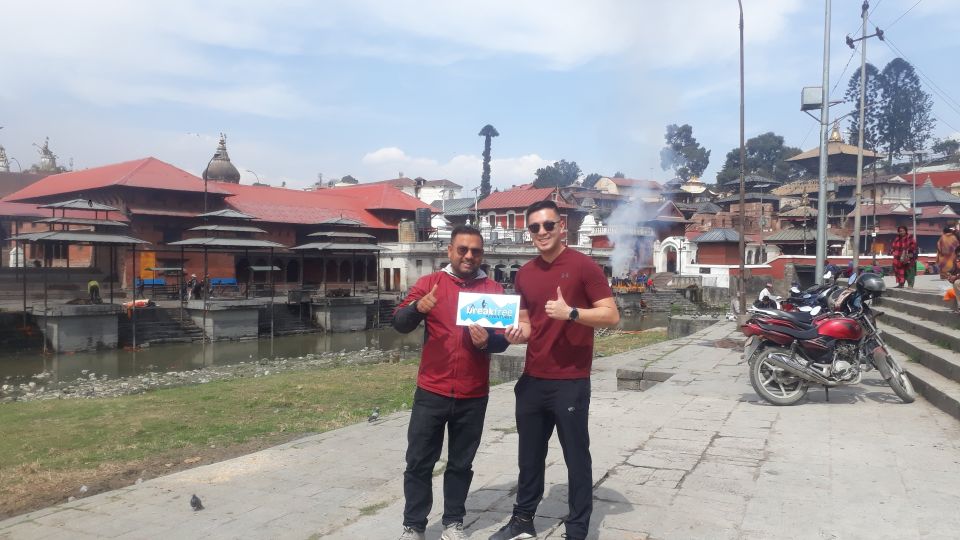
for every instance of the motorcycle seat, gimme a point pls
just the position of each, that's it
(799, 318)
(807, 333)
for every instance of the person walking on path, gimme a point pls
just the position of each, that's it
(452, 385)
(904, 257)
(947, 251)
(563, 297)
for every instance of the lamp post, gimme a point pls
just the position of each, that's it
(11, 158)
(255, 175)
(762, 252)
(476, 205)
(913, 199)
(824, 129)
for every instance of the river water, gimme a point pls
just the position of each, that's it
(18, 366)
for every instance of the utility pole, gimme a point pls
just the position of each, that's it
(742, 246)
(824, 127)
(863, 93)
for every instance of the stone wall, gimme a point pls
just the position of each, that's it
(508, 365)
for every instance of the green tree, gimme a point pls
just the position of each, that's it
(683, 153)
(905, 120)
(488, 132)
(765, 156)
(619, 174)
(561, 173)
(948, 147)
(591, 179)
(349, 180)
(872, 111)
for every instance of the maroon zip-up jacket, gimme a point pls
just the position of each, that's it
(450, 364)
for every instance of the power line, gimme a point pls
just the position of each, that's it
(903, 15)
(952, 103)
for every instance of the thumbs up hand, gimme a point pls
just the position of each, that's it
(558, 309)
(426, 302)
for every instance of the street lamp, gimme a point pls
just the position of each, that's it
(476, 205)
(18, 162)
(255, 175)
(913, 204)
(761, 188)
(762, 252)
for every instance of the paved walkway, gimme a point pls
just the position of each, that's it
(695, 457)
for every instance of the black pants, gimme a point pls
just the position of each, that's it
(541, 405)
(463, 419)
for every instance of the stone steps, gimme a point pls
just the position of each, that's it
(159, 325)
(286, 320)
(920, 326)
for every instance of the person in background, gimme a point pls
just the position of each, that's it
(766, 298)
(453, 384)
(947, 247)
(904, 257)
(93, 289)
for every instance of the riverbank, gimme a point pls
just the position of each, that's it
(94, 435)
(90, 384)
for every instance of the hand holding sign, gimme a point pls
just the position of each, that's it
(479, 336)
(558, 309)
(426, 302)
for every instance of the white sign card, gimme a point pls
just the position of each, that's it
(488, 310)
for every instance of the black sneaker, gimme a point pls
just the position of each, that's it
(516, 529)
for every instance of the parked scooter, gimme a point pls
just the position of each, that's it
(788, 351)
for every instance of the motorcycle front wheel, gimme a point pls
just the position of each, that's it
(900, 382)
(772, 384)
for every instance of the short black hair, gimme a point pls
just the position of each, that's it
(541, 205)
(904, 227)
(465, 229)
(947, 230)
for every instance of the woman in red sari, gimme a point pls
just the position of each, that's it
(904, 257)
(947, 252)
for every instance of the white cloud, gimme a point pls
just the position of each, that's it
(463, 169)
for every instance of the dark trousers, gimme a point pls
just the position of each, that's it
(543, 404)
(463, 419)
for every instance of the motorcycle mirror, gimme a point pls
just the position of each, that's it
(852, 279)
(815, 311)
(828, 276)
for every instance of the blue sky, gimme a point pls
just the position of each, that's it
(375, 88)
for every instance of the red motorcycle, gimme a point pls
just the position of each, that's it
(788, 351)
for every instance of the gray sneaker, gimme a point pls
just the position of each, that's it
(409, 533)
(453, 531)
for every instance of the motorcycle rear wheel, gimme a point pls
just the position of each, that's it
(773, 384)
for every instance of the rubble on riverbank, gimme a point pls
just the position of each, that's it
(92, 385)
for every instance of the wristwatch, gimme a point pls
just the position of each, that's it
(574, 314)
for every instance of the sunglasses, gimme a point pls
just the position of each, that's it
(547, 226)
(462, 250)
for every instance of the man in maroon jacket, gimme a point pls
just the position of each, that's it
(563, 297)
(452, 385)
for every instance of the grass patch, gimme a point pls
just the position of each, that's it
(373, 509)
(49, 448)
(623, 342)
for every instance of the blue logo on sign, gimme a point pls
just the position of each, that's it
(486, 308)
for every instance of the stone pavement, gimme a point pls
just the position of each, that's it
(694, 457)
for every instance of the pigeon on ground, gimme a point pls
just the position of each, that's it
(195, 503)
(375, 415)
